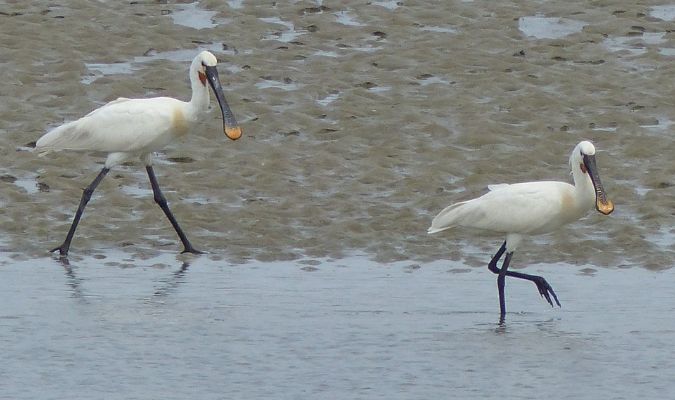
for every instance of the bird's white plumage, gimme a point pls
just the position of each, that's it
(207, 58)
(135, 128)
(123, 125)
(131, 128)
(529, 208)
(525, 208)
(497, 186)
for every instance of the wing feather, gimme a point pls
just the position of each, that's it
(123, 125)
(526, 208)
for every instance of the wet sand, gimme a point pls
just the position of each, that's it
(360, 123)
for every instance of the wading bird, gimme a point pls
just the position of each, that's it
(530, 208)
(135, 128)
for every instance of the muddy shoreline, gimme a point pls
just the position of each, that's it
(360, 124)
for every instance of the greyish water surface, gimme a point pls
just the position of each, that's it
(360, 122)
(349, 328)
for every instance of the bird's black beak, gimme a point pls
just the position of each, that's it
(601, 203)
(230, 126)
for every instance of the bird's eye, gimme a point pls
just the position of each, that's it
(203, 65)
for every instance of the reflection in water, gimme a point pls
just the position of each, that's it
(72, 280)
(434, 330)
(501, 325)
(171, 284)
(501, 328)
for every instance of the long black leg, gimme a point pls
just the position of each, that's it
(161, 200)
(492, 266)
(545, 290)
(86, 195)
(501, 281)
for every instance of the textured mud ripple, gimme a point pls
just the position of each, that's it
(360, 123)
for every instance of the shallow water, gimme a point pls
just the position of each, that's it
(349, 328)
(360, 123)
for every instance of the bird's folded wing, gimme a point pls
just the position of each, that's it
(119, 126)
(519, 208)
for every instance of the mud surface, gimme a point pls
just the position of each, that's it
(360, 124)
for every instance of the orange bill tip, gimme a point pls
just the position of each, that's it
(233, 133)
(606, 207)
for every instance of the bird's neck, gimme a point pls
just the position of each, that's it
(585, 193)
(199, 102)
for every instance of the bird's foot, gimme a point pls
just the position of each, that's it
(63, 250)
(190, 249)
(502, 320)
(545, 290)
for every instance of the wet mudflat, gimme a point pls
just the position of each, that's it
(360, 123)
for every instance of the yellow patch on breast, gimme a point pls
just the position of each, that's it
(568, 202)
(179, 123)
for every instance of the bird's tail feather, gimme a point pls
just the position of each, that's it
(447, 218)
(56, 139)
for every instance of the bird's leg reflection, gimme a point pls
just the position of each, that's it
(71, 279)
(545, 290)
(172, 283)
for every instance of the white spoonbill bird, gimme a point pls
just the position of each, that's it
(135, 128)
(530, 208)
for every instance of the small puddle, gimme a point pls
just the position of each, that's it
(286, 36)
(127, 67)
(121, 68)
(323, 53)
(367, 49)
(391, 4)
(328, 99)
(30, 185)
(666, 12)
(605, 128)
(634, 45)
(438, 29)
(662, 124)
(192, 16)
(344, 18)
(668, 52)
(379, 89)
(137, 191)
(433, 80)
(549, 28)
(236, 4)
(272, 84)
